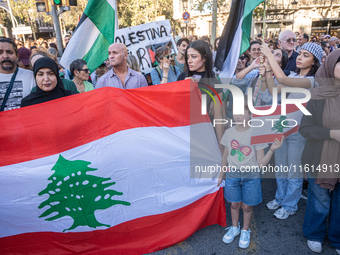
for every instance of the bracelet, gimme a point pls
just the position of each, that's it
(165, 77)
(271, 150)
(268, 71)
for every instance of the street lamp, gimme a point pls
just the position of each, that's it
(185, 4)
(294, 7)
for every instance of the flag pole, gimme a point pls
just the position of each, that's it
(263, 34)
(264, 19)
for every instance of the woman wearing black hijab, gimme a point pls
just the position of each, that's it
(49, 84)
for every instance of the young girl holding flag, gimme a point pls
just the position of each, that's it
(243, 184)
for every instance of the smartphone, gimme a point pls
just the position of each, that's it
(196, 77)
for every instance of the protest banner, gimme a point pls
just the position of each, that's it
(143, 40)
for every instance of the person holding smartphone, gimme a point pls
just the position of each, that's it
(164, 72)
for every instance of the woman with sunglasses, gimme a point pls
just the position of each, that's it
(81, 74)
(281, 58)
(164, 72)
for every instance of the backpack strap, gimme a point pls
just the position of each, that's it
(173, 69)
(159, 72)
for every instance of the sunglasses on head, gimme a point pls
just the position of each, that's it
(85, 70)
(290, 40)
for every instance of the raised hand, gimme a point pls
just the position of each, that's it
(277, 143)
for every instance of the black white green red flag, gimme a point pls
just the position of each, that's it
(108, 171)
(235, 37)
(93, 35)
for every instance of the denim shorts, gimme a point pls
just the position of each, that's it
(246, 190)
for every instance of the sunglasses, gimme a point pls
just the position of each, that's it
(85, 70)
(243, 57)
(169, 56)
(290, 40)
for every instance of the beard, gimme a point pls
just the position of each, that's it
(8, 68)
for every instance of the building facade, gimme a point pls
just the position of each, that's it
(303, 16)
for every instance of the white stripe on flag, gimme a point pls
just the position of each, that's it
(113, 5)
(230, 63)
(260, 133)
(80, 43)
(154, 180)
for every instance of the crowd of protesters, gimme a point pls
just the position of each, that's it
(290, 60)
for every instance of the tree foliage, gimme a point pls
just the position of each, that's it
(258, 11)
(72, 192)
(71, 18)
(202, 5)
(136, 12)
(130, 13)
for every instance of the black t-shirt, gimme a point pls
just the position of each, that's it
(291, 65)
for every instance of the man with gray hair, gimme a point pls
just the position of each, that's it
(287, 42)
(333, 42)
(120, 76)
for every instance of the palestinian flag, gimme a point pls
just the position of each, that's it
(275, 125)
(109, 171)
(235, 39)
(93, 35)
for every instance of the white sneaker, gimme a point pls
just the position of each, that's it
(283, 214)
(315, 246)
(272, 205)
(244, 239)
(230, 235)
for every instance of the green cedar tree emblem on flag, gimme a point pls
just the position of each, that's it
(74, 193)
(280, 124)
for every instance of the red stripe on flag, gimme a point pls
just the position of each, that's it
(271, 138)
(53, 127)
(290, 108)
(143, 235)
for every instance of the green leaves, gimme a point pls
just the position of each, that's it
(136, 12)
(203, 5)
(280, 125)
(72, 192)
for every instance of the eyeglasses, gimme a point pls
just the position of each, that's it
(169, 56)
(85, 70)
(290, 40)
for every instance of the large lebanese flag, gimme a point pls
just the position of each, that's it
(275, 125)
(109, 171)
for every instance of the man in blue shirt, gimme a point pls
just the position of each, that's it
(287, 41)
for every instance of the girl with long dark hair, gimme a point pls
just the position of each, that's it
(199, 68)
(289, 184)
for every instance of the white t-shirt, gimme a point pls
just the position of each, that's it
(295, 95)
(241, 153)
(23, 84)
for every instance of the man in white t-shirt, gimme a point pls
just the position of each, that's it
(24, 80)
